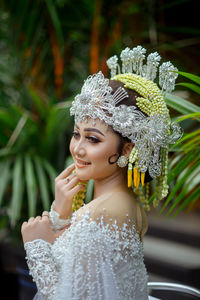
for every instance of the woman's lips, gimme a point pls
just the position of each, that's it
(81, 163)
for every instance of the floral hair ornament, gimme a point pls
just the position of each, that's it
(151, 131)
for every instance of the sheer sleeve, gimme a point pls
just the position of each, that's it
(42, 267)
(56, 222)
(103, 257)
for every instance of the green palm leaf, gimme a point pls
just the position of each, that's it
(195, 88)
(178, 186)
(193, 116)
(56, 21)
(190, 76)
(17, 191)
(57, 122)
(181, 105)
(52, 173)
(31, 186)
(6, 119)
(184, 161)
(5, 176)
(184, 191)
(42, 183)
(190, 200)
(17, 130)
(39, 103)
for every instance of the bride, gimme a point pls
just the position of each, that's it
(121, 132)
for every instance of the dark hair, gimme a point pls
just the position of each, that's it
(130, 101)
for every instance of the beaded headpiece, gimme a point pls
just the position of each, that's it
(151, 131)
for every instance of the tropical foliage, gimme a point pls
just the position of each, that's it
(26, 157)
(184, 174)
(48, 48)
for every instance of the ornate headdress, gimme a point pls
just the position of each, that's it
(151, 131)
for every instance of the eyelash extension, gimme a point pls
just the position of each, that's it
(93, 139)
(75, 134)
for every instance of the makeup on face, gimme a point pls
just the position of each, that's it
(91, 148)
(81, 163)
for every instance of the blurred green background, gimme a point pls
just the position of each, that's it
(47, 49)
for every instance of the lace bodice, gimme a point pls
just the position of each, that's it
(100, 256)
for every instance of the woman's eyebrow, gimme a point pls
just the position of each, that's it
(94, 129)
(75, 125)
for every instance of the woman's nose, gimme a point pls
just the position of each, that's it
(79, 149)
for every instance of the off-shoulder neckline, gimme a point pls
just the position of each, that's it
(95, 202)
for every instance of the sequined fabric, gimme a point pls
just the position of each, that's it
(56, 222)
(99, 256)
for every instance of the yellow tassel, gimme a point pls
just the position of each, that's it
(130, 177)
(135, 172)
(142, 178)
(138, 180)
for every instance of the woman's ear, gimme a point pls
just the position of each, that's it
(127, 149)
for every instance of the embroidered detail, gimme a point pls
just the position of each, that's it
(96, 258)
(42, 266)
(56, 222)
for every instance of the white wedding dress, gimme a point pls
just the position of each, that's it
(100, 256)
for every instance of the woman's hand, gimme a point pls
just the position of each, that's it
(65, 190)
(38, 228)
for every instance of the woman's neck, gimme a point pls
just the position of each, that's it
(115, 182)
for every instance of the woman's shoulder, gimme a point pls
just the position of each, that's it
(120, 207)
(112, 204)
(121, 198)
(115, 204)
(124, 208)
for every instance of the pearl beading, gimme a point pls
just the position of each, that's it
(95, 258)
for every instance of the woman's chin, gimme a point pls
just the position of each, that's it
(82, 176)
(84, 179)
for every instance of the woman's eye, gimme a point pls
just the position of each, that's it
(93, 139)
(75, 134)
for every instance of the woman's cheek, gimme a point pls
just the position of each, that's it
(71, 146)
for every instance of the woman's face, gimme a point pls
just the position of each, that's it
(91, 147)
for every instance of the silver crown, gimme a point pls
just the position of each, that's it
(148, 133)
(133, 62)
(96, 101)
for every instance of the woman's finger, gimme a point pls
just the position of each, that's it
(69, 178)
(30, 219)
(23, 225)
(45, 213)
(46, 218)
(77, 188)
(72, 183)
(66, 172)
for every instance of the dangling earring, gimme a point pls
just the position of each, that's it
(112, 162)
(132, 158)
(122, 161)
